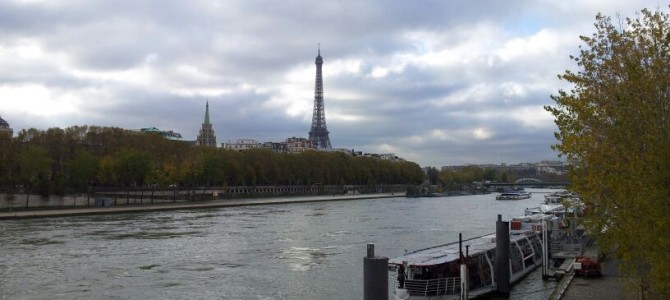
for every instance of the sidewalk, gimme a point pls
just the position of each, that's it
(606, 287)
(37, 213)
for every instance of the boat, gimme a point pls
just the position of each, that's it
(546, 209)
(434, 273)
(559, 197)
(513, 195)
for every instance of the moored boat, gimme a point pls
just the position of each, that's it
(434, 273)
(559, 197)
(513, 195)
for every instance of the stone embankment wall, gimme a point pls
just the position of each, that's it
(172, 195)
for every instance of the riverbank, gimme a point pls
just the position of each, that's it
(45, 213)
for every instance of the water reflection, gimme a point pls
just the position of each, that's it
(304, 258)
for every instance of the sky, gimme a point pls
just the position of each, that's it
(432, 81)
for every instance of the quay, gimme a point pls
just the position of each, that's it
(608, 286)
(45, 213)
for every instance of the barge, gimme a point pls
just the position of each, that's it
(434, 273)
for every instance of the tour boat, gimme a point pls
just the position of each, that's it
(559, 197)
(513, 195)
(434, 273)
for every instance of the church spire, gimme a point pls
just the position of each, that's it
(207, 113)
(206, 136)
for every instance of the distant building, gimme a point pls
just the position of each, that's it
(552, 167)
(206, 136)
(276, 147)
(390, 156)
(297, 145)
(242, 144)
(4, 128)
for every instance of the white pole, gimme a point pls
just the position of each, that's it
(545, 248)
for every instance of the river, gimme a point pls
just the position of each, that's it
(286, 251)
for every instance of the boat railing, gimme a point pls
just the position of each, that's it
(433, 287)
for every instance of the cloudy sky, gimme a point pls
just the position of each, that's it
(435, 82)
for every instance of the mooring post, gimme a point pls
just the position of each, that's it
(465, 285)
(502, 257)
(375, 276)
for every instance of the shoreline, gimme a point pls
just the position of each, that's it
(68, 212)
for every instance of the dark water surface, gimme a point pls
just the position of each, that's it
(287, 251)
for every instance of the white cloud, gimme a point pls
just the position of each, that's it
(38, 100)
(481, 134)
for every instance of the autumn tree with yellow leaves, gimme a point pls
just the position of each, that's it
(614, 128)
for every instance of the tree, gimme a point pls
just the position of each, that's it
(34, 164)
(614, 128)
(82, 168)
(432, 175)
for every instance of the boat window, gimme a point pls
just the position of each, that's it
(491, 254)
(515, 257)
(485, 270)
(526, 252)
(474, 272)
(537, 247)
(450, 269)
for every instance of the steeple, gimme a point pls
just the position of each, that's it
(206, 136)
(207, 113)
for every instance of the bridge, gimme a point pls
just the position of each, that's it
(522, 180)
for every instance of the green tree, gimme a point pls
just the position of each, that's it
(432, 175)
(614, 128)
(34, 164)
(82, 168)
(7, 161)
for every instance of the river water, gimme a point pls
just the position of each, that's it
(286, 251)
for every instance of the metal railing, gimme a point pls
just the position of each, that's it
(433, 287)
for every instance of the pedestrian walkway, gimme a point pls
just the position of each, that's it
(606, 287)
(42, 213)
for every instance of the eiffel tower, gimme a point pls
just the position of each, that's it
(318, 134)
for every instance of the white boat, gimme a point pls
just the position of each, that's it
(559, 197)
(513, 195)
(434, 273)
(546, 209)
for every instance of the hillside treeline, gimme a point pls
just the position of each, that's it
(76, 159)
